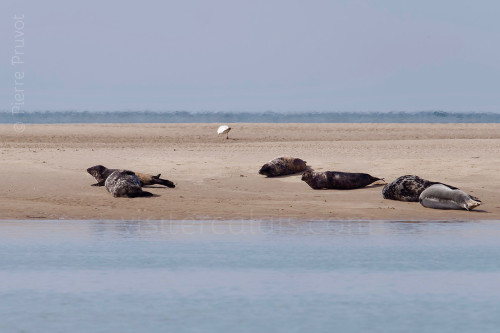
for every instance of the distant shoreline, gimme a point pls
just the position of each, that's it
(131, 117)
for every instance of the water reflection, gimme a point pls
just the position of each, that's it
(11, 230)
(274, 275)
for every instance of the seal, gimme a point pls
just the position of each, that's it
(100, 173)
(440, 196)
(124, 183)
(408, 188)
(281, 166)
(337, 180)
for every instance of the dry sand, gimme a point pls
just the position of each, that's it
(43, 169)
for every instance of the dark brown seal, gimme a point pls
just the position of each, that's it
(281, 166)
(408, 188)
(124, 183)
(337, 180)
(100, 173)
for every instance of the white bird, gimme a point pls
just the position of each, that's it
(224, 130)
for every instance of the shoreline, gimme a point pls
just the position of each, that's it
(44, 170)
(287, 221)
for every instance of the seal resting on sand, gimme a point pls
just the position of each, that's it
(100, 173)
(440, 196)
(337, 180)
(281, 166)
(407, 188)
(124, 183)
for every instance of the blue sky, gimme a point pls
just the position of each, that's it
(254, 55)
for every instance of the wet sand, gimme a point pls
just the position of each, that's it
(43, 169)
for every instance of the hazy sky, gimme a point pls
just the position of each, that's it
(255, 55)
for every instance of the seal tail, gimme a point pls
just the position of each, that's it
(140, 194)
(374, 179)
(471, 204)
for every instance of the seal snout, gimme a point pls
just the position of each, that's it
(265, 170)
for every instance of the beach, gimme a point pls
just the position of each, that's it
(43, 170)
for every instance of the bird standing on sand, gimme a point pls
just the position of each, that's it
(224, 130)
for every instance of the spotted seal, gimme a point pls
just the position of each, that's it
(124, 183)
(100, 173)
(440, 196)
(337, 180)
(281, 166)
(408, 188)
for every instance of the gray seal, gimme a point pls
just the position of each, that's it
(281, 166)
(440, 196)
(337, 180)
(124, 183)
(408, 188)
(100, 173)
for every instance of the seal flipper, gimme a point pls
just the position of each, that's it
(163, 182)
(475, 199)
(140, 194)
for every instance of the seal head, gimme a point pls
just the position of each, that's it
(100, 173)
(281, 166)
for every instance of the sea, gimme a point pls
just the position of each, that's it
(76, 117)
(249, 276)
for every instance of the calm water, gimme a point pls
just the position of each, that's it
(249, 276)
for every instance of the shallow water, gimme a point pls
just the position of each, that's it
(249, 276)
